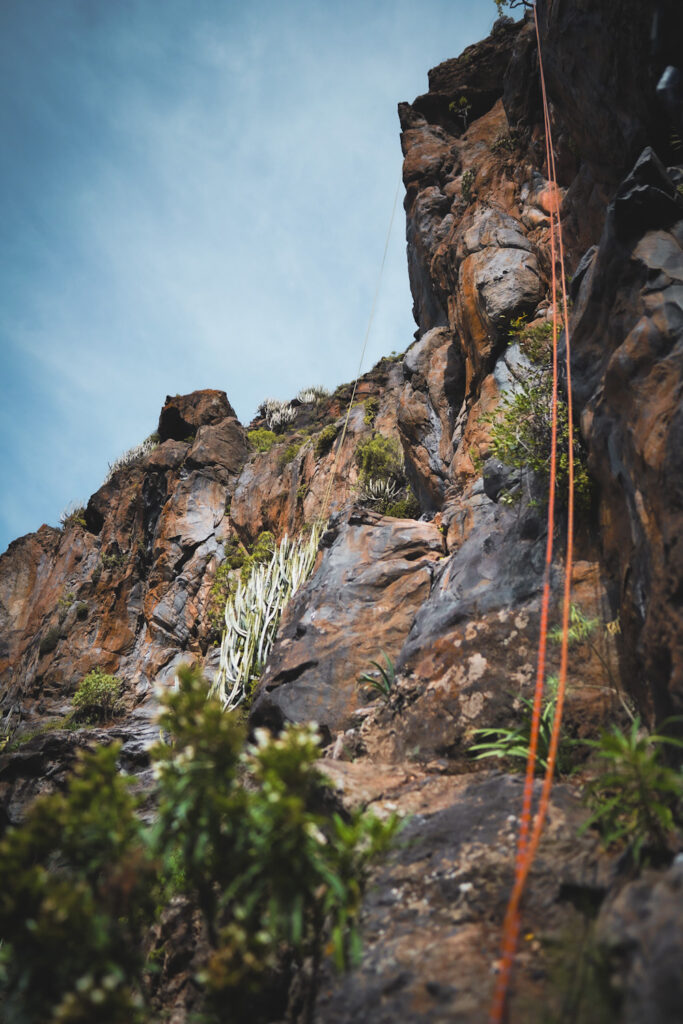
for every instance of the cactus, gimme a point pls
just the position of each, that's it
(252, 615)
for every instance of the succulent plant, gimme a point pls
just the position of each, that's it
(252, 615)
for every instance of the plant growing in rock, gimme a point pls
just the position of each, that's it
(98, 697)
(381, 679)
(133, 454)
(371, 409)
(269, 871)
(380, 458)
(309, 395)
(262, 440)
(73, 515)
(521, 432)
(514, 743)
(252, 615)
(466, 183)
(278, 415)
(73, 917)
(461, 108)
(325, 440)
(290, 453)
(636, 797)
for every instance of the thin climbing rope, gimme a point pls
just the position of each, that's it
(528, 845)
(328, 491)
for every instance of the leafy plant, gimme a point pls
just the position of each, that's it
(405, 508)
(325, 440)
(635, 796)
(535, 340)
(252, 614)
(98, 697)
(50, 640)
(505, 142)
(466, 183)
(73, 917)
(382, 679)
(371, 409)
(262, 440)
(290, 453)
(514, 743)
(73, 515)
(521, 435)
(460, 108)
(380, 458)
(269, 871)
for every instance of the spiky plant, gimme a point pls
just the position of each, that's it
(314, 394)
(252, 615)
(277, 414)
(138, 451)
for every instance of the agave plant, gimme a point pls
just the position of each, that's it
(379, 492)
(252, 615)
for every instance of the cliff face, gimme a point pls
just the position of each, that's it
(453, 598)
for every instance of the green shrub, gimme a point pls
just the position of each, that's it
(371, 409)
(260, 554)
(290, 453)
(222, 588)
(521, 436)
(75, 903)
(466, 183)
(535, 340)
(73, 515)
(98, 697)
(81, 611)
(325, 440)
(50, 640)
(262, 440)
(505, 142)
(268, 870)
(635, 797)
(380, 458)
(404, 508)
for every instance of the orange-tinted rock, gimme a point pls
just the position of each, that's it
(183, 415)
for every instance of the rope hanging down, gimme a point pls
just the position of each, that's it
(527, 844)
(328, 491)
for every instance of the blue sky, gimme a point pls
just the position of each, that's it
(193, 193)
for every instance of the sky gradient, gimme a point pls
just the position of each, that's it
(193, 194)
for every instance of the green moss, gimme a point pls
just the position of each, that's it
(325, 440)
(262, 440)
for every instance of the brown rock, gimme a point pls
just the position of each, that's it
(183, 415)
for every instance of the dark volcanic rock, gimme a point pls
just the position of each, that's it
(182, 415)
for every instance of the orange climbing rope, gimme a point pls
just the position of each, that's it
(529, 837)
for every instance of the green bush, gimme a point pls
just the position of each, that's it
(268, 870)
(371, 409)
(325, 440)
(636, 797)
(262, 440)
(222, 588)
(290, 453)
(75, 903)
(50, 640)
(466, 183)
(521, 436)
(260, 554)
(380, 458)
(98, 697)
(404, 508)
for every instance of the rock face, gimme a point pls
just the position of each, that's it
(453, 597)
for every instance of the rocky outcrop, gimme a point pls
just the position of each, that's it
(451, 598)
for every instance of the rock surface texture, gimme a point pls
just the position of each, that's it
(452, 597)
